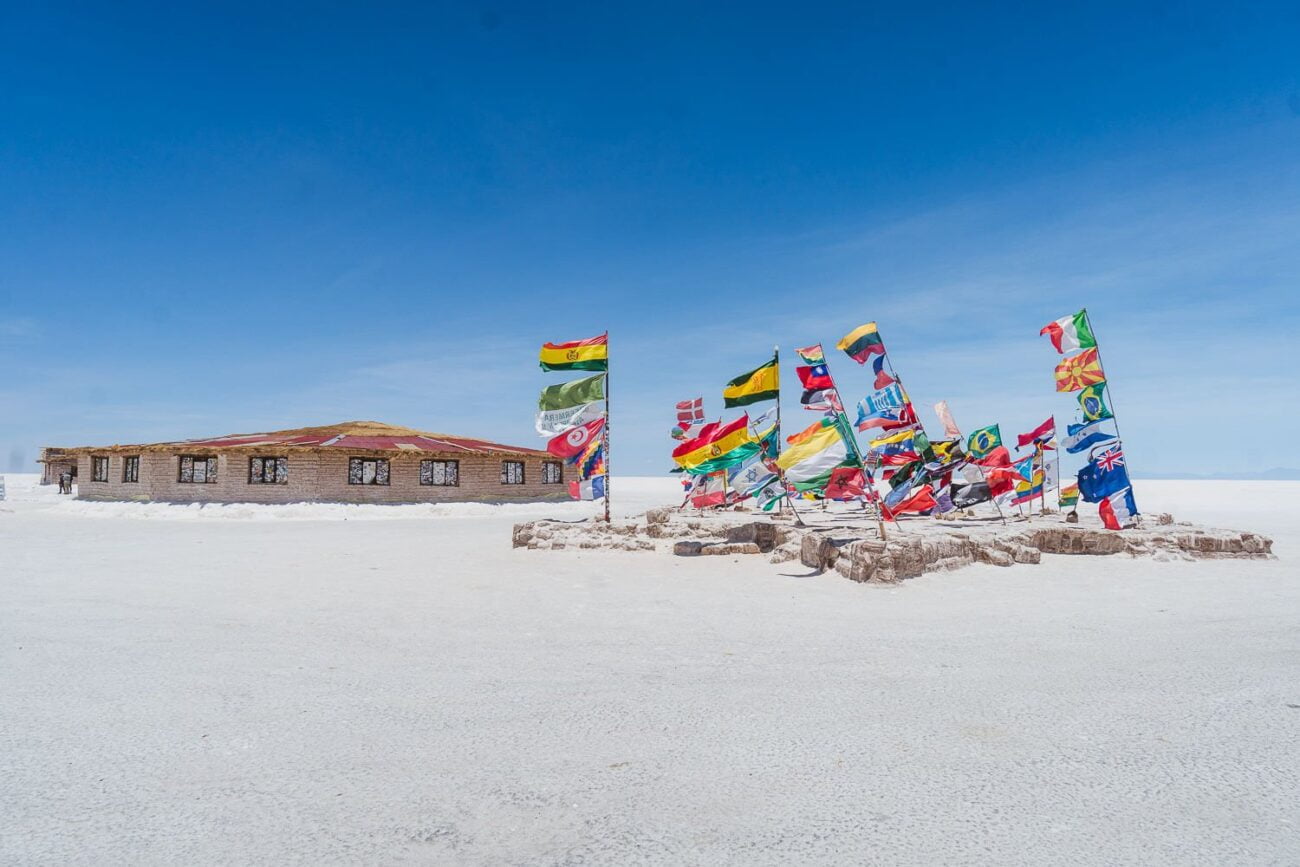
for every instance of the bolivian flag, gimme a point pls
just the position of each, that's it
(862, 342)
(589, 354)
(717, 447)
(761, 383)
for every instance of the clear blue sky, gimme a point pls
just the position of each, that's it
(245, 218)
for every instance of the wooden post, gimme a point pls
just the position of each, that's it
(608, 463)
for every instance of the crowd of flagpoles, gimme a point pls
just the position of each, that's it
(900, 471)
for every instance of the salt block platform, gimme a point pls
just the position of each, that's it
(849, 543)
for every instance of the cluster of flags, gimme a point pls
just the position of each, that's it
(573, 415)
(1104, 477)
(901, 470)
(726, 462)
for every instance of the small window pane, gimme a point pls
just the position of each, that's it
(354, 471)
(281, 471)
(200, 472)
(255, 469)
(381, 472)
(212, 470)
(187, 469)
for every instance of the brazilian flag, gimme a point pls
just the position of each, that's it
(1092, 400)
(984, 440)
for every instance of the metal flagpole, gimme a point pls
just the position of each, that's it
(1114, 416)
(780, 473)
(851, 440)
(608, 463)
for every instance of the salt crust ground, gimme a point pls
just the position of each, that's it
(247, 685)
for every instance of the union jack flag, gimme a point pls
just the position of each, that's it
(1110, 459)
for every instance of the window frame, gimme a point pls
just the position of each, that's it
(453, 463)
(387, 472)
(210, 462)
(278, 462)
(559, 472)
(130, 469)
(505, 474)
(95, 467)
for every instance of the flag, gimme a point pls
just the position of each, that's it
(812, 355)
(761, 383)
(814, 378)
(690, 413)
(846, 483)
(998, 471)
(574, 442)
(1070, 333)
(881, 407)
(971, 494)
(589, 354)
(1040, 434)
(814, 452)
(769, 495)
(1103, 475)
(763, 423)
(1024, 468)
(716, 447)
(922, 500)
(1086, 435)
(984, 441)
(862, 342)
(883, 379)
(708, 491)
(749, 475)
(1118, 509)
(591, 462)
(556, 421)
(950, 428)
(1079, 371)
(1069, 496)
(826, 400)
(897, 449)
(1092, 401)
(574, 393)
(590, 489)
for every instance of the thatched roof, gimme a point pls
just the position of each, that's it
(363, 436)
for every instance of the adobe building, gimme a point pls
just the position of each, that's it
(352, 462)
(54, 463)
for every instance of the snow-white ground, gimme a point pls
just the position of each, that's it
(322, 684)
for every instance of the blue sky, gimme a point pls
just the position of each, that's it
(240, 218)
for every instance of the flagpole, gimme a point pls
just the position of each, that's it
(1114, 416)
(608, 462)
(780, 473)
(851, 440)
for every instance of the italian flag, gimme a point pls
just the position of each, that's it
(1070, 333)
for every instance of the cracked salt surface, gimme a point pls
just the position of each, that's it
(239, 688)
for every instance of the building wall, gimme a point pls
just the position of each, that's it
(315, 477)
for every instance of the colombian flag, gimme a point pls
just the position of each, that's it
(717, 447)
(1079, 371)
(589, 354)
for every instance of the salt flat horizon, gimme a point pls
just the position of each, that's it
(310, 683)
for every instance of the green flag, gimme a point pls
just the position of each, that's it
(983, 441)
(1092, 400)
(575, 393)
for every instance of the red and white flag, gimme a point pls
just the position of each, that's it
(572, 442)
(689, 413)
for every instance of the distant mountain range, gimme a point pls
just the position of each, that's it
(1277, 474)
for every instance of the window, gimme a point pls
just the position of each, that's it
(440, 473)
(268, 471)
(196, 470)
(367, 471)
(131, 468)
(512, 472)
(99, 468)
(552, 473)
